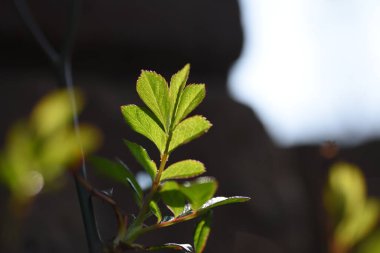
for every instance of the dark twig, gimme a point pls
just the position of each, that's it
(66, 80)
(96, 193)
(62, 62)
(190, 216)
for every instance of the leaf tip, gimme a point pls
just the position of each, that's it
(187, 67)
(207, 122)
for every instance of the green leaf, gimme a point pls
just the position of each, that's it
(138, 193)
(142, 158)
(191, 97)
(199, 191)
(188, 130)
(173, 197)
(370, 244)
(153, 90)
(220, 201)
(183, 169)
(118, 172)
(187, 248)
(54, 111)
(346, 183)
(177, 83)
(155, 210)
(140, 121)
(353, 214)
(358, 224)
(202, 232)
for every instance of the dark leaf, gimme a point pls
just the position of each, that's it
(118, 172)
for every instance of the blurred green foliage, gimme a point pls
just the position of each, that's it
(38, 150)
(370, 244)
(353, 215)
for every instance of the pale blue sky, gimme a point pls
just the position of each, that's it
(311, 69)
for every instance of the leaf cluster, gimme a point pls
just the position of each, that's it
(165, 120)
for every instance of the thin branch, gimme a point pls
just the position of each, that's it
(145, 207)
(139, 247)
(96, 193)
(62, 62)
(24, 11)
(66, 78)
(93, 239)
(156, 183)
(174, 221)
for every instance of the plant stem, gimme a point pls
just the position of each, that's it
(174, 221)
(156, 183)
(118, 213)
(135, 227)
(62, 63)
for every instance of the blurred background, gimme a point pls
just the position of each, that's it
(282, 78)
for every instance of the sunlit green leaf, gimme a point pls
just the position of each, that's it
(177, 83)
(140, 121)
(202, 232)
(173, 197)
(142, 158)
(220, 201)
(155, 210)
(187, 248)
(199, 191)
(183, 169)
(188, 130)
(153, 90)
(118, 172)
(191, 97)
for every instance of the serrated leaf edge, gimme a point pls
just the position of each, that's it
(161, 117)
(184, 177)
